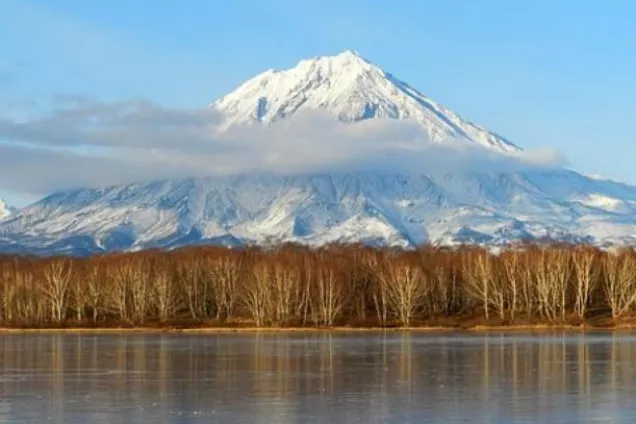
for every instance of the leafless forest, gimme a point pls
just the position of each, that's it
(332, 286)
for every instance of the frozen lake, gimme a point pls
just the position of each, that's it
(318, 378)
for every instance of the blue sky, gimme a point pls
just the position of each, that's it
(542, 73)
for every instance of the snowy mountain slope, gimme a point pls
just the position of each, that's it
(403, 209)
(352, 89)
(375, 208)
(5, 210)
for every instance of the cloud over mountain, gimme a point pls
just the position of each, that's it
(84, 142)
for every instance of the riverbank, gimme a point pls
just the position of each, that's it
(336, 329)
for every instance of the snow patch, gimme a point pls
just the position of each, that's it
(5, 210)
(596, 200)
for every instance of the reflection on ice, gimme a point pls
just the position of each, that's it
(318, 378)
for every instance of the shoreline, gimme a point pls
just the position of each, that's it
(337, 329)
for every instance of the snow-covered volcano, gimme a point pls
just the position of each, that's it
(351, 89)
(446, 206)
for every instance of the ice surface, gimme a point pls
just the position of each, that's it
(317, 378)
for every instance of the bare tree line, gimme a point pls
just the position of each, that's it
(330, 286)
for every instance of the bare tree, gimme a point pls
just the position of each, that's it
(166, 300)
(511, 265)
(30, 307)
(378, 290)
(79, 299)
(552, 273)
(328, 292)
(529, 262)
(483, 282)
(403, 285)
(8, 291)
(285, 292)
(225, 272)
(619, 282)
(256, 292)
(586, 275)
(195, 282)
(140, 289)
(444, 293)
(57, 280)
(95, 287)
(120, 275)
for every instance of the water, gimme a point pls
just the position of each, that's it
(318, 378)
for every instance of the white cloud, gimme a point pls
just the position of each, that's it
(89, 143)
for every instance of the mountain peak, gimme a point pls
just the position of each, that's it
(344, 55)
(352, 89)
(350, 53)
(338, 68)
(344, 58)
